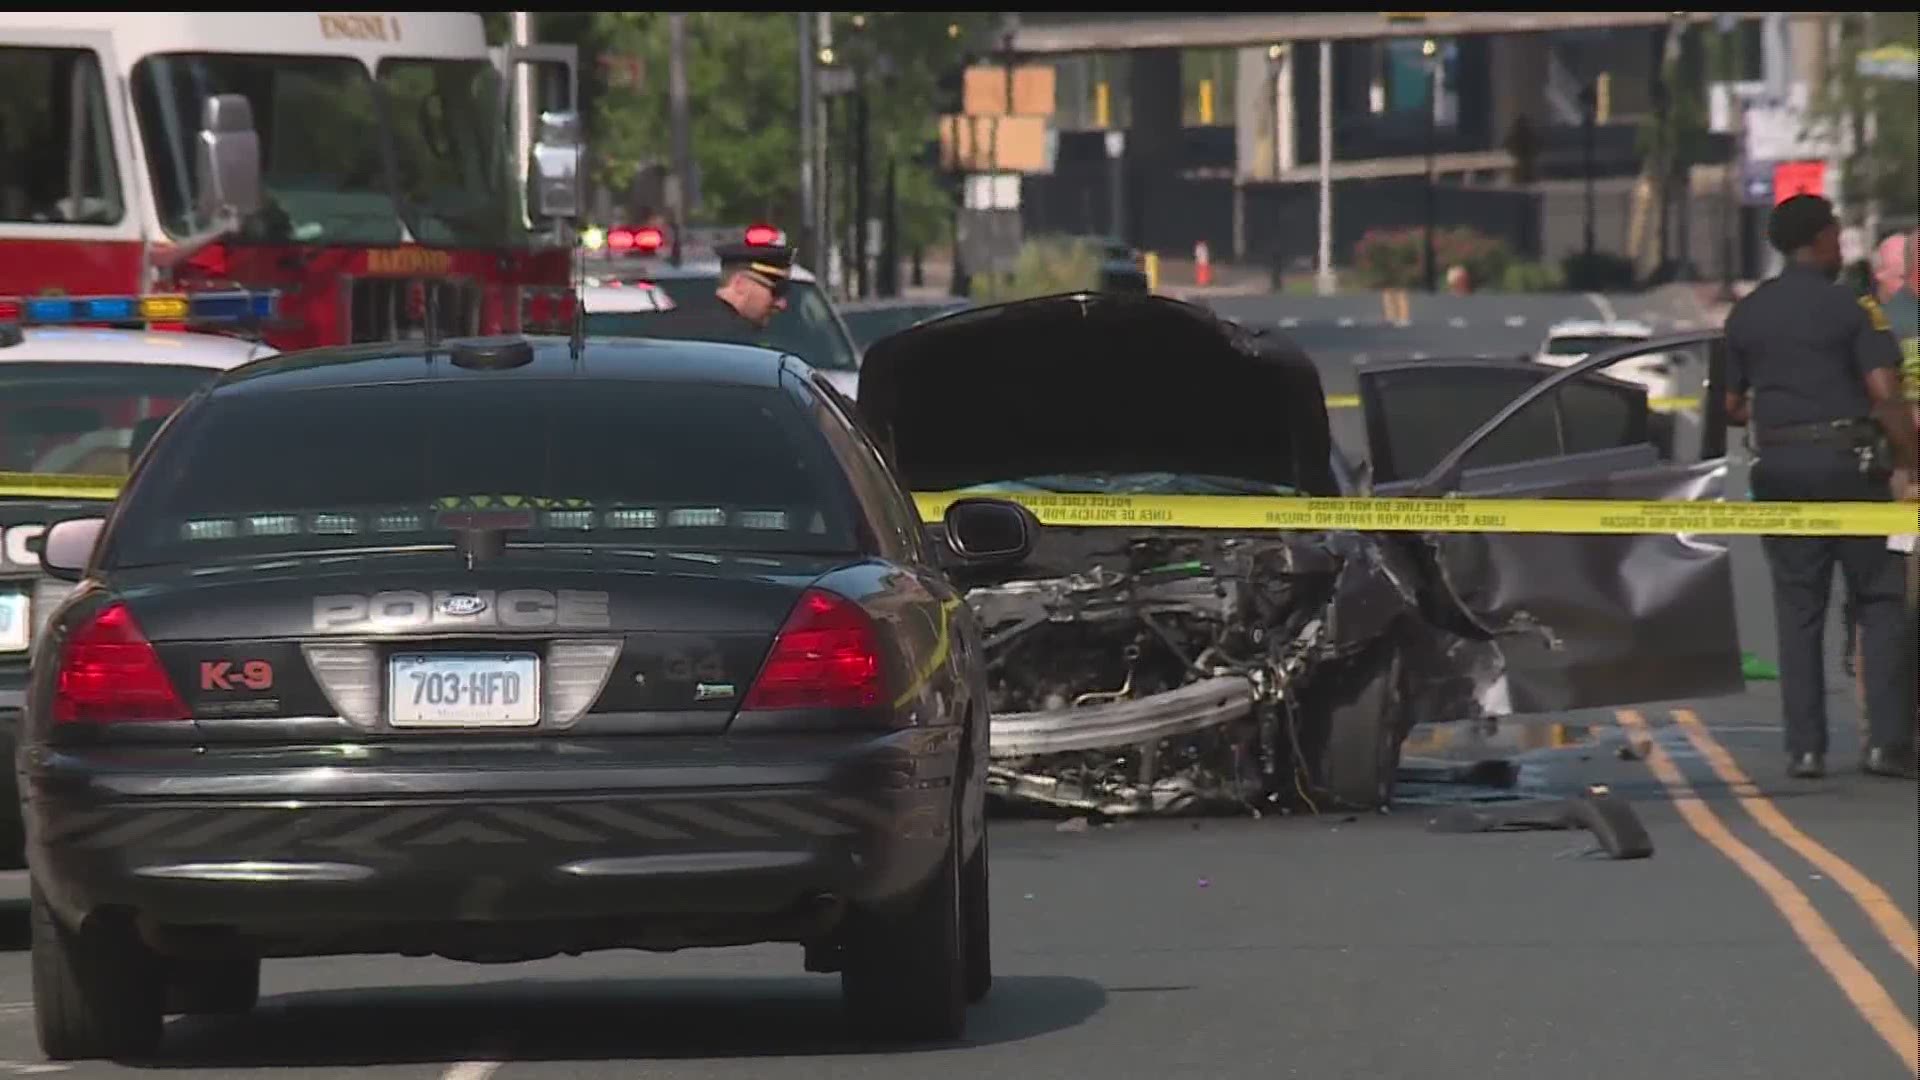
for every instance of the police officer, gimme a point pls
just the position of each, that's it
(1829, 422)
(753, 288)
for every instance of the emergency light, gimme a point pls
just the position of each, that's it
(763, 235)
(212, 307)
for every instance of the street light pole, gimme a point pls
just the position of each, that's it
(809, 97)
(1589, 105)
(1428, 49)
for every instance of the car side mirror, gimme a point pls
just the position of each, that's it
(226, 166)
(555, 163)
(990, 530)
(68, 546)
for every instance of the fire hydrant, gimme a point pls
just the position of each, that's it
(1459, 282)
(1202, 267)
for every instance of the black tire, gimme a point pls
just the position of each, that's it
(905, 977)
(97, 993)
(1360, 754)
(976, 910)
(214, 986)
(13, 833)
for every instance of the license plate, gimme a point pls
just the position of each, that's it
(443, 690)
(13, 622)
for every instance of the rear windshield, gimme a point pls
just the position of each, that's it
(557, 462)
(86, 419)
(807, 329)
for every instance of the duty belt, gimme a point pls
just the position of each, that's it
(1840, 434)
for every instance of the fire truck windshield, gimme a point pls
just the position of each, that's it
(449, 146)
(325, 148)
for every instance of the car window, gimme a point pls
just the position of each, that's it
(582, 462)
(1595, 416)
(807, 329)
(86, 418)
(56, 144)
(1424, 415)
(898, 519)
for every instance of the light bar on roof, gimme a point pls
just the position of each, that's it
(210, 307)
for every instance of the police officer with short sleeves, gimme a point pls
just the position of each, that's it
(1814, 375)
(753, 288)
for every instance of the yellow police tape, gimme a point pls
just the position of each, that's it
(1569, 516)
(21, 485)
(1657, 404)
(1255, 512)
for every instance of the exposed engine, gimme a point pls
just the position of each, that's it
(1159, 678)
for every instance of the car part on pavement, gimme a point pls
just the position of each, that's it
(1614, 823)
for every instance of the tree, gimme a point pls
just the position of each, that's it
(1881, 116)
(742, 79)
(904, 101)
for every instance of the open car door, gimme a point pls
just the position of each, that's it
(1583, 620)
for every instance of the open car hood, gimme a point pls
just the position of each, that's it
(1085, 383)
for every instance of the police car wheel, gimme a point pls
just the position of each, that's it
(97, 992)
(905, 973)
(977, 912)
(214, 986)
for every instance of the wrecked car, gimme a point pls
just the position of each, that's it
(1150, 669)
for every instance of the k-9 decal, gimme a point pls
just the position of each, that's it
(507, 609)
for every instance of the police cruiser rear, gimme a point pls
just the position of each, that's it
(497, 650)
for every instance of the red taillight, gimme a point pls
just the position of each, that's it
(110, 674)
(825, 657)
(762, 235)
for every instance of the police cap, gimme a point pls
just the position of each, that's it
(771, 264)
(1797, 221)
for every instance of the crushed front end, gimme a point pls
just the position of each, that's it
(1167, 673)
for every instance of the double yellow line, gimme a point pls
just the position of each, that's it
(1868, 997)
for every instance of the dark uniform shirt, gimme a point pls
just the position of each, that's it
(706, 319)
(1804, 345)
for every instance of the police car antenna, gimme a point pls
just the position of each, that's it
(431, 305)
(577, 336)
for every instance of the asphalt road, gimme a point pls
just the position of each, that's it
(1770, 935)
(1321, 947)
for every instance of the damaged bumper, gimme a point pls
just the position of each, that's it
(1122, 724)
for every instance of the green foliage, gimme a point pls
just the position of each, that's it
(1044, 267)
(743, 85)
(1533, 277)
(1396, 258)
(1885, 170)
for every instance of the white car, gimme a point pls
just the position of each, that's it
(612, 296)
(810, 327)
(77, 405)
(1570, 342)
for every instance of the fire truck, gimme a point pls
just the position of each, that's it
(361, 165)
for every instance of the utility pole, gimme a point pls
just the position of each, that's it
(809, 100)
(520, 30)
(680, 191)
(1428, 49)
(1324, 278)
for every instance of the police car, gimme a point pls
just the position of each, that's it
(810, 327)
(1573, 340)
(78, 402)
